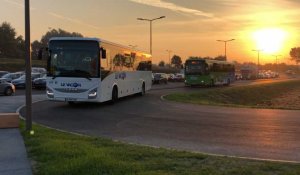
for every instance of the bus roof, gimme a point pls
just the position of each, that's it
(94, 39)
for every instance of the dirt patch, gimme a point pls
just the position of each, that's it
(289, 100)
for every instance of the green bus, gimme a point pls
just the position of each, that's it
(208, 72)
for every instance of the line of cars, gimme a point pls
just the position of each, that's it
(10, 81)
(164, 78)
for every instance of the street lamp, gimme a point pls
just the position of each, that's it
(276, 59)
(169, 51)
(225, 42)
(28, 68)
(150, 20)
(258, 51)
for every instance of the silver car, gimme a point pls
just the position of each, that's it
(7, 88)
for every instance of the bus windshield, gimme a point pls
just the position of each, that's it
(196, 67)
(74, 59)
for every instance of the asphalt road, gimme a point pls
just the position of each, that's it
(148, 120)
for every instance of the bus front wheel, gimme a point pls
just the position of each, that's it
(114, 95)
(212, 83)
(143, 90)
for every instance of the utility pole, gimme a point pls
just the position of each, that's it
(276, 61)
(258, 51)
(169, 51)
(28, 67)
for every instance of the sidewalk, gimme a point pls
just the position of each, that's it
(13, 155)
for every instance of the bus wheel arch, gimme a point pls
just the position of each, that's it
(114, 94)
(143, 89)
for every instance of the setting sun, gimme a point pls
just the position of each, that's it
(270, 40)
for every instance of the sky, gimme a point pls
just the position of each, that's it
(191, 27)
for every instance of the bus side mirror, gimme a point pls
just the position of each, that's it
(103, 53)
(40, 54)
(41, 51)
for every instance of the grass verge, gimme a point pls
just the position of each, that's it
(54, 152)
(280, 95)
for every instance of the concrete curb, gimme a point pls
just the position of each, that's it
(9, 120)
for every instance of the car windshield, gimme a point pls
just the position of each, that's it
(74, 59)
(22, 77)
(6, 76)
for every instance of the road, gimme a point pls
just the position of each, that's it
(149, 120)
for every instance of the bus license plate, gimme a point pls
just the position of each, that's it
(70, 99)
(193, 78)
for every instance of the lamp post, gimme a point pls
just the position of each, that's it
(169, 51)
(258, 51)
(151, 20)
(225, 42)
(28, 68)
(276, 60)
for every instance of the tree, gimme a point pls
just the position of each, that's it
(220, 58)
(295, 54)
(43, 43)
(10, 45)
(161, 64)
(176, 61)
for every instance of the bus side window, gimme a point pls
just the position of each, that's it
(206, 67)
(103, 53)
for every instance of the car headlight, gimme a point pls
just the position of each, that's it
(93, 93)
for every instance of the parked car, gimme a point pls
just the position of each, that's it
(38, 70)
(39, 83)
(7, 88)
(2, 73)
(171, 77)
(179, 78)
(11, 76)
(160, 78)
(21, 82)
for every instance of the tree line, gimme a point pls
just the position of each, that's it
(13, 46)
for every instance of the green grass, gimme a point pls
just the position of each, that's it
(13, 65)
(257, 96)
(54, 152)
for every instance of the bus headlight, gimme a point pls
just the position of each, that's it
(50, 93)
(93, 93)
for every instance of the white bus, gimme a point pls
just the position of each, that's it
(95, 70)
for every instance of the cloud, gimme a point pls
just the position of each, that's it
(72, 20)
(173, 7)
(17, 4)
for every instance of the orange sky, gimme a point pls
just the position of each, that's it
(191, 27)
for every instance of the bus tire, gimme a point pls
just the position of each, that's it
(114, 95)
(143, 90)
(228, 82)
(212, 83)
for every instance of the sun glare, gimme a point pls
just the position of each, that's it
(270, 40)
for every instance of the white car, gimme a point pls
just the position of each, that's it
(7, 88)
